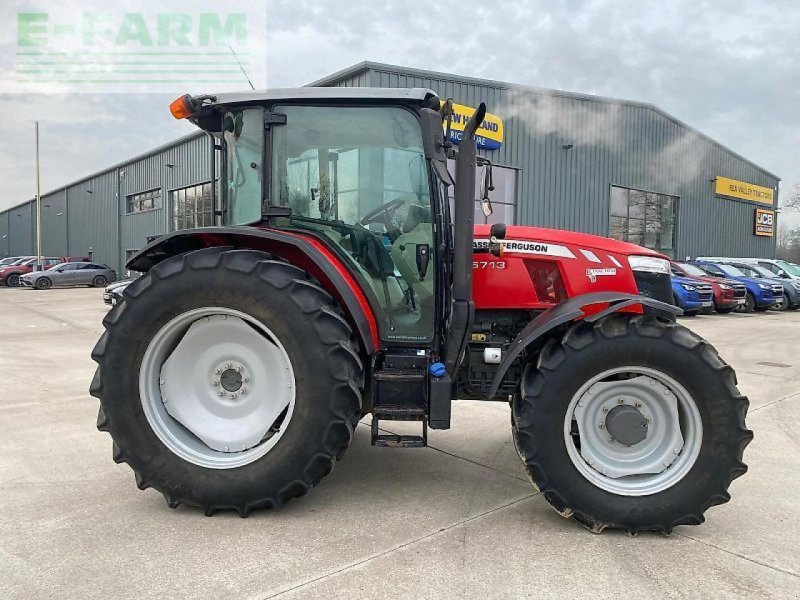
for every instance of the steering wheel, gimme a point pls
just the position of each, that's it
(382, 212)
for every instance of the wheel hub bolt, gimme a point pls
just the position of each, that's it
(216, 371)
(605, 409)
(638, 405)
(220, 394)
(227, 365)
(620, 400)
(601, 425)
(611, 440)
(215, 383)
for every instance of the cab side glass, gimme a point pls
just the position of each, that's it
(243, 136)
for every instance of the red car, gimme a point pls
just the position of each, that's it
(728, 293)
(10, 275)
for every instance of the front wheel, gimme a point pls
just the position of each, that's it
(227, 380)
(100, 281)
(43, 283)
(631, 423)
(783, 303)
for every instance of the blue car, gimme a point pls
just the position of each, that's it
(691, 295)
(761, 294)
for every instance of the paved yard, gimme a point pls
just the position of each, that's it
(456, 520)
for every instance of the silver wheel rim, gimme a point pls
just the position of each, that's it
(44, 283)
(664, 457)
(217, 387)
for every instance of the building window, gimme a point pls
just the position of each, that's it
(191, 207)
(144, 201)
(503, 197)
(644, 218)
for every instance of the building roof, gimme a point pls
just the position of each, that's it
(324, 93)
(366, 66)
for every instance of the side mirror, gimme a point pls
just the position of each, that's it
(486, 207)
(785, 275)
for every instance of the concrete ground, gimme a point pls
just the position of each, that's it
(456, 520)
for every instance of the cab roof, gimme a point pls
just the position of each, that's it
(324, 93)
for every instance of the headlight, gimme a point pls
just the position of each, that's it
(764, 286)
(651, 264)
(724, 286)
(687, 287)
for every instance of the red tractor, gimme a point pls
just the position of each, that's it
(341, 282)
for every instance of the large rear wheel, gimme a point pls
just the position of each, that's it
(227, 380)
(631, 423)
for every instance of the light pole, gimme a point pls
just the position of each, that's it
(38, 207)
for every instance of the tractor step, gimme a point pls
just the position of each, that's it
(396, 440)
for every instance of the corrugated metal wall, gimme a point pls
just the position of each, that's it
(92, 218)
(4, 238)
(190, 165)
(54, 222)
(613, 143)
(20, 230)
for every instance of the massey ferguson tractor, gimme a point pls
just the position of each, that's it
(341, 281)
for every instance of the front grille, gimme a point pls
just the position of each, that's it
(705, 292)
(739, 290)
(654, 285)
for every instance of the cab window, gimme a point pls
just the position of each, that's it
(358, 177)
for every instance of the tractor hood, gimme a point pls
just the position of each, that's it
(560, 237)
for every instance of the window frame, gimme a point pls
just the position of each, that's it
(133, 198)
(676, 202)
(173, 214)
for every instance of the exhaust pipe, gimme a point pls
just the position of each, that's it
(464, 217)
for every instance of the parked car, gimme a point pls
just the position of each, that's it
(760, 294)
(728, 293)
(790, 299)
(113, 292)
(779, 268)
(7, 262)
(691, 295)
(10, 275)
(70, 274)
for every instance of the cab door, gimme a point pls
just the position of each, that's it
(357, 178)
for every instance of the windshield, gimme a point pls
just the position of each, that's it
(791, 268)
(757, 271)
(731, 270)
(358, 177)
(692, 270)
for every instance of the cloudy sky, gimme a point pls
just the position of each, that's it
(729, 68)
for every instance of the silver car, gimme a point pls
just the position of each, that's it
(69, 274)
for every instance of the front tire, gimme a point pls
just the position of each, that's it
(244, 295)
(100, 281)
(43, 283)
(686, 399)
(783, 305)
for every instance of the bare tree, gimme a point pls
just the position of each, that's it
(793, 201)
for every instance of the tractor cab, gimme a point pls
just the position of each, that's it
(361, 173)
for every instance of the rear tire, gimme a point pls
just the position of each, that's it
(697, 477)
(12, 280)
(43, 283)
(327, 371)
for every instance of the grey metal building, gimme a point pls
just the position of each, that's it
(572, 161)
